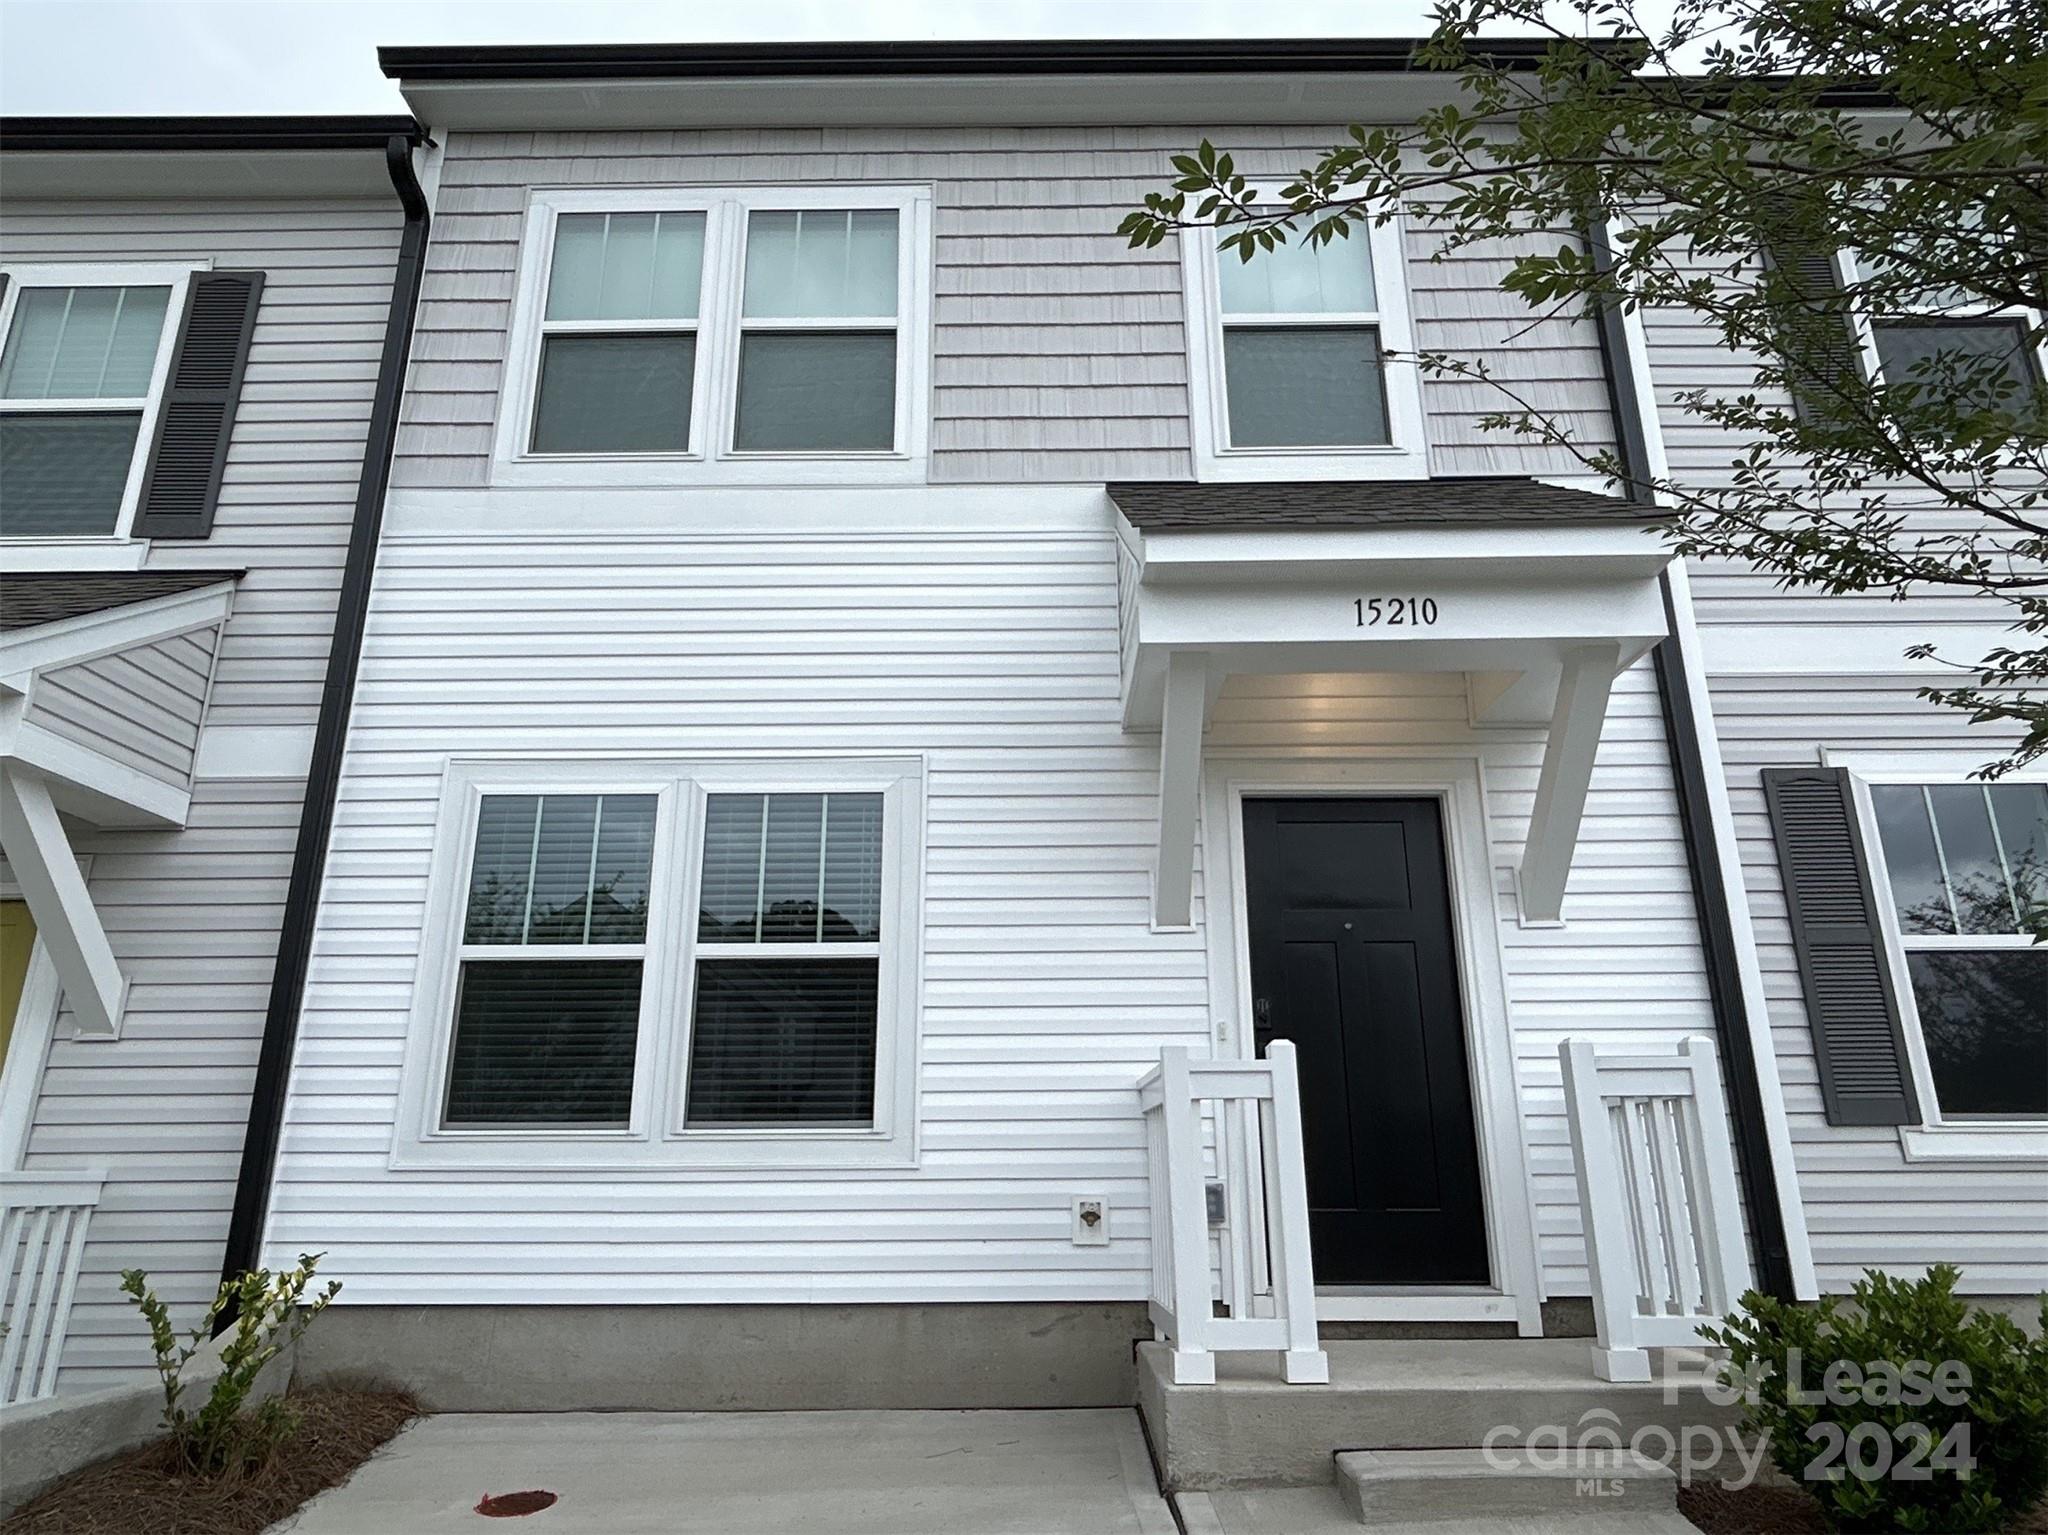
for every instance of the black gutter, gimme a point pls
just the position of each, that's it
(1710, 894)
(1119, 56)
(330, 733)
(26, 135)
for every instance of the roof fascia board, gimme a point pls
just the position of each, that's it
(42, 135)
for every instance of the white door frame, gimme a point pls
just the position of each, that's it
(1456, 784)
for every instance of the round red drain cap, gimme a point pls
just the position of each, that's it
(510, 1505)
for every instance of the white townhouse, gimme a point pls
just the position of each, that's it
(927, 795)
(194, 317)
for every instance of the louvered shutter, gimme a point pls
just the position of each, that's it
(197, 416)
(1851, 1000)
(1822, 336)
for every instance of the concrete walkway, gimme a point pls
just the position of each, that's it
(764, 1473)
(1319, 1511)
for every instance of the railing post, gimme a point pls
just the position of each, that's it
(1187, 1221)
(1608, 1250)
(1719, 1216)
(1304, 1362)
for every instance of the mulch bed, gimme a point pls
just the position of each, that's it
(141, 1491)
(1768, 1510)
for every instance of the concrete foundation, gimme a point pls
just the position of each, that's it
(1250, 1430)
(757, 1358)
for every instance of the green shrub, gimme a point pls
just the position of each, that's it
(222, 1436)
(1906, 1410)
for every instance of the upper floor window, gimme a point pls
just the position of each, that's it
(1967, 866)
(1942, 331)
(78, 378)
(730, 334)
(1290, 359)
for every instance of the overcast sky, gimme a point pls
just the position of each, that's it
(224, 56)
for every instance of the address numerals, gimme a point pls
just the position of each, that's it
(1395, 612)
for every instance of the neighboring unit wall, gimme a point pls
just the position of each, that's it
(193, 915)
(976, 627)
(1058, 353)
(1793, 675)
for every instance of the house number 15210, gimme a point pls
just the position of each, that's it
(1395, 612)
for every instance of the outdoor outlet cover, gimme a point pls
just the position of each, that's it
(1091, 1222)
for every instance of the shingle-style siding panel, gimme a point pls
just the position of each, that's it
(193, 915)
(289, 488)
(989, 645)
(1058, 353)
(140, 707)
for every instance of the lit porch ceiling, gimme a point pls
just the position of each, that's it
(1540, 594)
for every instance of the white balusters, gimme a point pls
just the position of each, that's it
(1261, 1272)
(1657, 1192)
(43, 1220)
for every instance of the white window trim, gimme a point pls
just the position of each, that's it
(1406, 458)
(1935, 1138)
(655, 1140)
(711, 460)
(98, 551)
(1848, 268)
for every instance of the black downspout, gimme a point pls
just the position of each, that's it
(330, 733)
(1710, 894)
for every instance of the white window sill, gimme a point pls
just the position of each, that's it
(600, 473)
(612, 1153)
(19, 556)
(1975, 1143)
(1394, 463)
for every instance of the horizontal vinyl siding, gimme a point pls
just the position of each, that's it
(1058, 353)
(994, 653)
(139, 707)
(193, 915)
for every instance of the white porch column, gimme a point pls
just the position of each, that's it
(47, 871)
(1180, 786)
(1575, 726)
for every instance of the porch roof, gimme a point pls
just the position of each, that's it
(1539, 594)
(104, 680)
(1476, 501)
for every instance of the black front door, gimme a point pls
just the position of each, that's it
(1352, 959)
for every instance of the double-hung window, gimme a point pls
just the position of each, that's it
(1967, 868)
(731, 334)
(1291, 360)
(1945, 335)
(669, 964)
(79, 372)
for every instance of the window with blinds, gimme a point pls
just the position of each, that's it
(74, 384)
(1302, 362)
(1968, 870)
(789, 944)
(548, 992)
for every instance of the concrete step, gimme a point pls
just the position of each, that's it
(1251, 1429)
(1416, 1486)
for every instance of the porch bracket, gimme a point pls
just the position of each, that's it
(45, 867)
(1185, 713)
(1567, 773)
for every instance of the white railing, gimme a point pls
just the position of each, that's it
(43, 1217)
(1255, 1292)
(1663, 1220)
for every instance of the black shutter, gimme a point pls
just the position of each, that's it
(198, 412)
(1851, 1000)
(1818, 331)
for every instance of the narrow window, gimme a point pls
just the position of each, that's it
(618, 357)
(547, 1011)
(1968, 868)
(1951, 345)
(74, 383)
(1302, 362)
(789, 936)
(817, 368)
